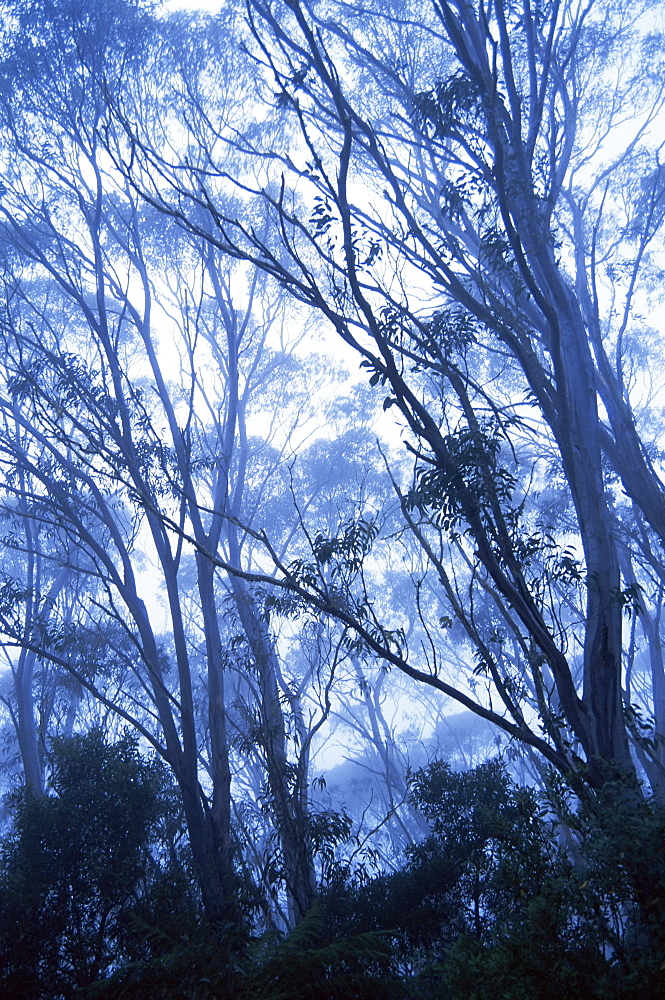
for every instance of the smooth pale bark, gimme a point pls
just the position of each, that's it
(290, 804)
(23, 672)
(26, 723)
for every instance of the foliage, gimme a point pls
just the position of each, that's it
(307, 964)
(493, 905)
(466, 226)
(498, 902)
(85, 868)
(490, 185)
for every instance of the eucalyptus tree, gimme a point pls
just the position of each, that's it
(136, 364)
(29, 599)
(471, 195)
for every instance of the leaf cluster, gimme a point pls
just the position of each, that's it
(83, 864)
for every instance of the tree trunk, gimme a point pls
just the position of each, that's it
(290, 804)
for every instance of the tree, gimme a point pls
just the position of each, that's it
(490, 903)
(109, 445)
(458, 214)
(78, 862)
(39, 594)
(437, 185)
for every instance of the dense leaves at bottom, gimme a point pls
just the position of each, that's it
(87, 866)
(499, 902)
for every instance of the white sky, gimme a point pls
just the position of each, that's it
(209, 5)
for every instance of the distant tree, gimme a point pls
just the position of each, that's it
(43, 580)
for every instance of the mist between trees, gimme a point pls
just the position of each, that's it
(331, 437)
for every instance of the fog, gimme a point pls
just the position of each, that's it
(331, 493)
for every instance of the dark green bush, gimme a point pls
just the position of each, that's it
(499, 902)
(493, 906)
(84, 866)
